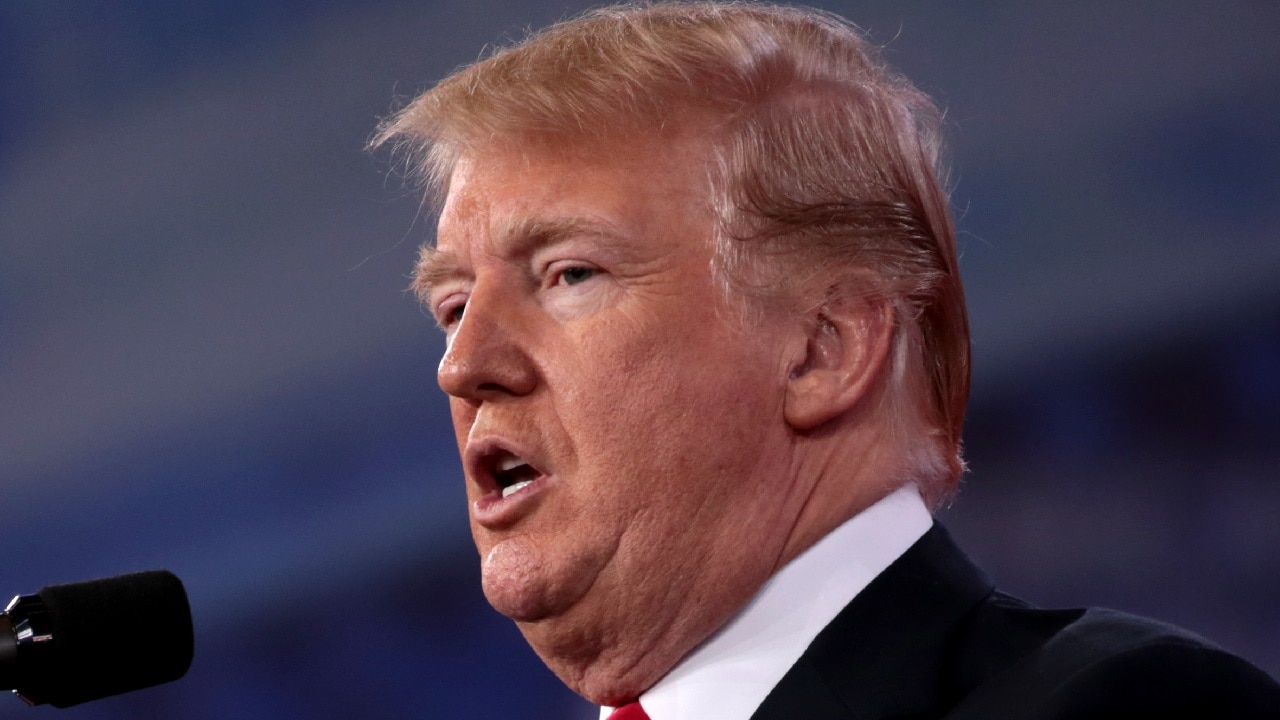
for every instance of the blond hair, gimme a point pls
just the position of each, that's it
(823, 158)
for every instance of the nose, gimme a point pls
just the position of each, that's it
(485, 358)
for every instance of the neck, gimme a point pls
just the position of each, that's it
(839, 474)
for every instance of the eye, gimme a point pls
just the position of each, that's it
(577, 274)
(450, 313)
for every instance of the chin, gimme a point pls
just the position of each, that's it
(523, 583)
(517, 599)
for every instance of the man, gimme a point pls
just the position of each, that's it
(707, 358)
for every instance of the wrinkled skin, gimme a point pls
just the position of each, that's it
(603, 351)
(586, 335)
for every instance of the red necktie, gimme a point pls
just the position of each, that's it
(630, 711)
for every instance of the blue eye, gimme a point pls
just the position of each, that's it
(576, 275)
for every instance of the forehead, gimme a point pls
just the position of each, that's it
(608, 187)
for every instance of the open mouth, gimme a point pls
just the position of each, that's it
(513, 474)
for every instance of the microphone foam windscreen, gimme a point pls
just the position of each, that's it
(115, 635)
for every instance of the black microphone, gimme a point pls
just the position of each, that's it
(69, 644)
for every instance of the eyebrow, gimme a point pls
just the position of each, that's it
(520, 237)
(433, 267)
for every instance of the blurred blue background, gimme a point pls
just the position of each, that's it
(208, 361)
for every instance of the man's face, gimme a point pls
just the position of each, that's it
(621, 430)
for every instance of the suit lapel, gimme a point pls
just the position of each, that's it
(882, 656)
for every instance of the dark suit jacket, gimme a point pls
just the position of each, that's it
(931, 638)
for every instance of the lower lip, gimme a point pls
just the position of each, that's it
(494, 511)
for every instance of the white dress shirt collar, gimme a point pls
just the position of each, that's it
(731, 673)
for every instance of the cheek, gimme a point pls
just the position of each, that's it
(670, 404)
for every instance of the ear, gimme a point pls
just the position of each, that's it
(848, 343)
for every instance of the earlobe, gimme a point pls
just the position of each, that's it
(848, 342)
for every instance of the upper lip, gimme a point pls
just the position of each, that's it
(482, 459)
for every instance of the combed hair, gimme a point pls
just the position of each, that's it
(823, 158)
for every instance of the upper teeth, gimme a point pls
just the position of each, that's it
(510, 463)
